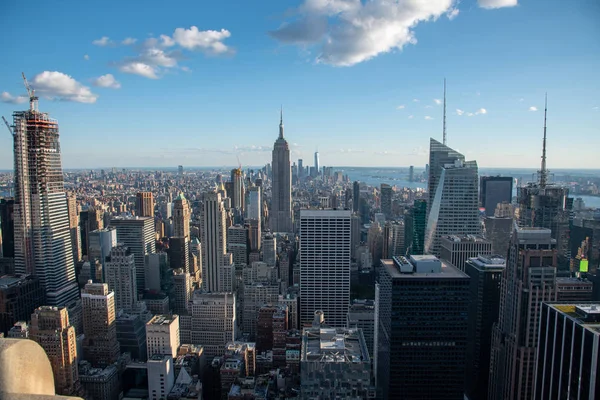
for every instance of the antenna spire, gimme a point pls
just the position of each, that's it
(444, 123)
(281, 123)
(544, 171)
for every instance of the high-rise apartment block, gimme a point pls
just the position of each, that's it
(162, 335)
(144, 204)
(136, 233)
(485, 273)
(280, 214)
(120, 274)
(568, 357)
(495, 190)
(41, 214)
(457, 249)
(325, 253)
(529, 280)
(421, 307)
(100, 345)
(51, 329)
(453, 196)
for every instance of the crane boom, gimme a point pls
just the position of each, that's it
(32, 97)
(8, 126)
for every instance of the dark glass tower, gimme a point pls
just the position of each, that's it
(415, 224)
(494, 190)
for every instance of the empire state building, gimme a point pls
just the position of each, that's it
(281, 202)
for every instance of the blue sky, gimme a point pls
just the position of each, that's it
(197, 83)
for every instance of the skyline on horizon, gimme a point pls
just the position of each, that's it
(204, 87)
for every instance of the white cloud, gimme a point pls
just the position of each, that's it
(459, 111)
(428, 106)
(186, 69)
(195, 39)
(481, 111)
(156, 57)
(410, 117)
(58, 86)
(521, 100)
(138, 68)
(6, 97)
(128, 41)
(415, 100)
(348, 32)
(437, 101)
(470, 114)
(427, 117)
(533, 108)
(103, 41)
(400, 107)
(496, 3)
(86, 57)
(452, 13)
(107, 81)
(595, 108)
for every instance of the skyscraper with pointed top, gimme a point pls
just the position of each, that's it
(281, 191)
(546, 205)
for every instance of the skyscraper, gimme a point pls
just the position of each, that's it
(485, 274)
(495, 190)
(162, 335)
(215, 260)
(136, 233)
(528, 280)
(386, 200)
(43, 243)
(325, 251)
(74, 226)
(181, 217)
(100, 345)
(120, 275)
(415, 224)
(144, 204)
(317, 163)
(7, 228)
(237, 195)
(355, 196)
(421, 322)
(254, 205)
(281, 192)
(453, 189)
(457, 249)
(51, 329)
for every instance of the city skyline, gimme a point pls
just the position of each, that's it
(216, 64)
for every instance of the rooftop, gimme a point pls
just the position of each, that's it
(465, 238)
(585, 314)
(491, 261)
(7, 281)
(163, 319)
(417, 267)
(339, 345)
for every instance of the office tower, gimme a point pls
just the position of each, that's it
(213, 321)
(284, 270)
(179, 253)
(457, 249)
(316, 163)
(74, 226)
(136, 233)
(573, 290)
(181, 217)
(547, 205)
(100, 345)
(254, 234)
(485, 273)
(131, 334)
(386, 200)
(182, 289)
(269, 248)
(237, 244)
(257, 294)
(301, 171)
(196, 260)
(157, 302)
(421, 338)
(101, 242)
(355, 236)
(98, 383)
(161, 376)
(453, 204)
(19, 296)
(144, 205)
(237, 195)
(498, 228)
(568, 359)
(180, 170)
(280, 214)
(7, 228)
(89, 220)
(216, 263)
(335, 364)
(355, 196)
(166, 210)
(361, 314)
(495, 190)
(162, 335)
(42, 237)
(50, 328)
(396, 243)
(415, 224)
(529, 280)
(325, 264)
(254, 204)
(157, 272)
(411, 174)
(121, 278)
(264, 327)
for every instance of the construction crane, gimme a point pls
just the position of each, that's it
(8, 126)
(32, 97)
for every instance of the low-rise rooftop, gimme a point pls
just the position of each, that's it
(340, 345)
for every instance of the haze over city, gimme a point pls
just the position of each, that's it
(201, 84)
